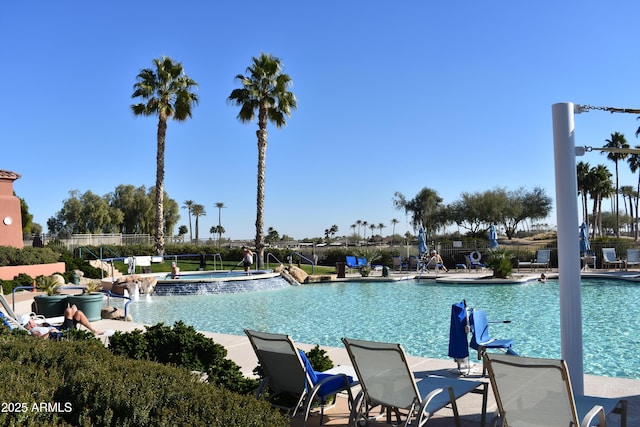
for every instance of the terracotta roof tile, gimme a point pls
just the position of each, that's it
(8, 175)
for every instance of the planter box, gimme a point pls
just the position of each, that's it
(50, 305)
(90, 304)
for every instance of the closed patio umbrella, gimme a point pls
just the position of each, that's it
(493, 237)
(422, 242)
(585, 246)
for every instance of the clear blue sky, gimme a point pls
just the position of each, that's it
(393, 96)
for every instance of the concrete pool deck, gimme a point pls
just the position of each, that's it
(240, 351)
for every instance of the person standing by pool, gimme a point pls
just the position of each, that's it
(247, 258)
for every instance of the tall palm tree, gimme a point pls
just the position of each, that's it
(601, 187)
(628, 192)
(634, 165)
(167, 92)
(265, 92)
(188, 204)
(198, 210)
(220, 206)
(381, 226)
(359, 223)
(616, 141)
(364, 227)
(582, 169)
(394, 222)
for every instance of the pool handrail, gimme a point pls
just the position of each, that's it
(313, 264)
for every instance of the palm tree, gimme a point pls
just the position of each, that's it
(600, 187)
(364, 227)
(359, 223)
(582, 169)
(167, 93)
(220, 206)
(393, 234)
(198, 211)
(628, 192)
(617, 141)
(634, 165)
(381, 226)
(265, 91)
(187, 205)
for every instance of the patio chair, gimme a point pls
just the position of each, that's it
(291, 381)
(481, 340)
(398, 264)
(473, 265)
(542, 259)
(387, 381)
(414, 262)
(609, 258)
(633, 257)
(351, 262)
(537, 392)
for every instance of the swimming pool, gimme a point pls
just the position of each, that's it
(416, 314)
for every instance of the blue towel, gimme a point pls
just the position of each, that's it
(458, 344)
(328, 388)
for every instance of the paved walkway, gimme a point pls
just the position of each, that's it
(240, 351)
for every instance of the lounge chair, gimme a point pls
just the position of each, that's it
(537, 392)
(291, 381)
(472, 264)
(609, 259)
(351, 262)
(588, 260)
(633, 257)
(481, 340)
(542, 259)
(414, 263)
(39, 319)
(398, 264)
(387, 381)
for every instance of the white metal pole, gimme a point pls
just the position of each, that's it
(568, 244)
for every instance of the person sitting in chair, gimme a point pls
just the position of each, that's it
(437, 259)
(72, 316)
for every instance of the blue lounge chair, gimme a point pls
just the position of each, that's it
(352, 262)
(481, 340)
(288, 373)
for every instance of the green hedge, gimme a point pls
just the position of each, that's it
(80, 383)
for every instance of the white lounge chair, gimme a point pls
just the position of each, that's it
(609, 259)
(387, 381)
(537, 392)
(633, 257)
(542, 260)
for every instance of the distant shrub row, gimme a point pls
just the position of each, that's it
(80, 383)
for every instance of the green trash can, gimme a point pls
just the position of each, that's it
(75, 279)
(385, 271)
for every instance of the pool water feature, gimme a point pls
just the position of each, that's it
(218, 283)
(417, 313)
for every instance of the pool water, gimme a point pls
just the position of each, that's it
(417, 314)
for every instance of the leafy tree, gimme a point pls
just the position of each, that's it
(524, 205)
(27, 218)
(617, 141)
(136, 207)
(86, 213)
(272, 235)
(265, 92)
(182, 230)
(167, 93)
(425, 209)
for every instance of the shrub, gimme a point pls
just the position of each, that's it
(319, 359)
(500, 262)
(183, 346)
(90, 386)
